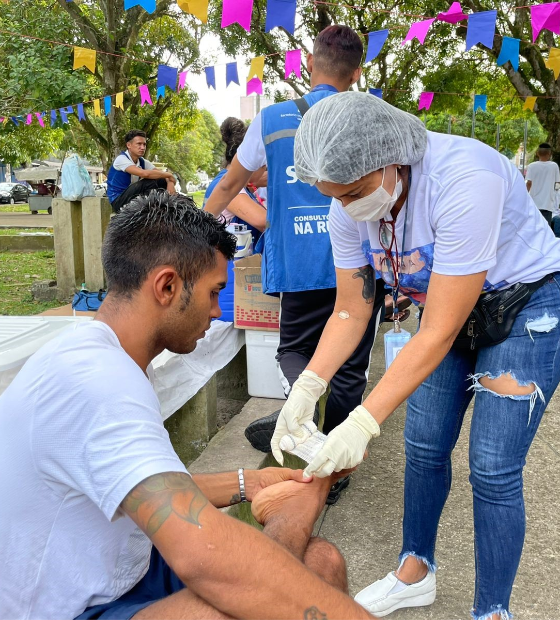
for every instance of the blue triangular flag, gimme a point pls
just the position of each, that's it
(15, 120)
(481, 28)
(376, 40)
(107, 104)
(53, 117)
(147, 5)
(63, 115)
(81, 113)
(281, 13)
(231, 73)
(480, 102)
(376, 92)
(69, 110)
(210, 77)
(166, 76)
(160, 92)
(509, 51)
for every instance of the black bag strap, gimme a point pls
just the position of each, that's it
(302, 105)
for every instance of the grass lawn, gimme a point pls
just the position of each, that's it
(198, 198)
(17, 231)
(18, 272)
(18, 208)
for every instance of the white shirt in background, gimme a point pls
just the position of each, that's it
(543, 175)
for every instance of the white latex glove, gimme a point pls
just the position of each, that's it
(345, 445)
(296, 417)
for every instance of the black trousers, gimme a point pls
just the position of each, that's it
(302, 320)
(547, 216)
(140, 188)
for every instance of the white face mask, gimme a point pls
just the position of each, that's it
(376, 205)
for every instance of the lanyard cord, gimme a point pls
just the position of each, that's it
(396, 289)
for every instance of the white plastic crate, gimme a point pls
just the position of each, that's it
(263, 378)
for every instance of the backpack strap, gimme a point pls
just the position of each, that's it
(302, 105)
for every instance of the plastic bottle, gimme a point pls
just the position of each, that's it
(394, 342)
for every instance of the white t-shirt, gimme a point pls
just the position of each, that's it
(80, 427)
(122, 162)
(543, 175)
(468, 211)
(251, 152)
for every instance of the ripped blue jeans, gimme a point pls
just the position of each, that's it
(503, 427)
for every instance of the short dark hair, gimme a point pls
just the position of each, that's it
(233, 131)
(545, 145)
(134, 133)
(162, 229)
(338, 50)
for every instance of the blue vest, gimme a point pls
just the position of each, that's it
(297, 253)
(118, 181)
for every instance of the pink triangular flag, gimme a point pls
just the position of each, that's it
(145, 96)
(425, 100)
(419, 30)
(182, 80)
(545, 16)
(40, 120)
(237, 11)
(29, 119)
(293, 63)
(254, 86)
(453, 14)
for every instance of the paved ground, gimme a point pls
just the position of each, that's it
(26, 220)
(366, 523)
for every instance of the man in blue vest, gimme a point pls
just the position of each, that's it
(131, 175)
(297, 260)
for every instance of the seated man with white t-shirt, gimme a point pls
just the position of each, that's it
(99, 518)
(131, 175)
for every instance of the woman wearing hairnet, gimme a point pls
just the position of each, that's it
(444, 220)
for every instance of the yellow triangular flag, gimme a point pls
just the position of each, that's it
(198, 8)
(529, 103)
(553, 61)
(84, 58)
(96, 107)
(256, 69)
(119, 101)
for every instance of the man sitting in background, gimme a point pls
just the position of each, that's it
(131, 175)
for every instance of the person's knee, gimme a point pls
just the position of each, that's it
(324, 559)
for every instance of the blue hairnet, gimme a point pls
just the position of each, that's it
(346, 136)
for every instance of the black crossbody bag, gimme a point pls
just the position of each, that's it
(492, 318)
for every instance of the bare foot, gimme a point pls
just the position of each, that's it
(299, 501)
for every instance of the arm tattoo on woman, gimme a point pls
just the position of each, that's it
(366, 273)
(312, 613)
(154, 499)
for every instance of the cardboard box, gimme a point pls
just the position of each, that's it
(253, 309)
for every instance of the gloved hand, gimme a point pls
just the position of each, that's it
(296, 417)
(345, 445)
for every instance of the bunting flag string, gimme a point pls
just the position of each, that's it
(237, 12)
(198, 8)
(376, 41)
(293, 64)
(509, 52)
(281, 13)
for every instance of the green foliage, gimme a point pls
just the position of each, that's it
(200, 148)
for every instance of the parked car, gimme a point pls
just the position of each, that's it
(11, 193)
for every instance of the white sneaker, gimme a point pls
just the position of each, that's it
(389, 594)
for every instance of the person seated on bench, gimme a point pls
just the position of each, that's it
(131, 175)
(100, 518)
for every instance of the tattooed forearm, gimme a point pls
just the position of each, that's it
(312, 613)
(368, 291)
(157, 497)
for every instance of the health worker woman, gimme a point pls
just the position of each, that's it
(448, 222)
